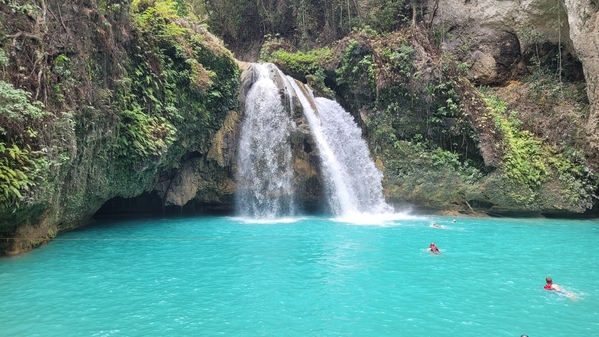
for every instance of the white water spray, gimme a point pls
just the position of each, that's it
(352, 180)
(265, 174)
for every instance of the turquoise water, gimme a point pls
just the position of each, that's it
(210, 276)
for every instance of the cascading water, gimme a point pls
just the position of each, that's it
(352, 180)
(265, 174)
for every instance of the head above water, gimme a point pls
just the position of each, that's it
(548, 280)
(432, 244)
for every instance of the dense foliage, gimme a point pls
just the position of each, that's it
(305, 22)
(99, 100)
(172, 88)
(22, 163)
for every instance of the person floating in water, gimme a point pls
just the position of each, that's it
(552, 286)
(436, 225)
(433, 249)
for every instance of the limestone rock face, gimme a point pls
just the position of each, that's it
(494, 55)
(95, 151)
(491, 36)
(583, 19)
(202, 180)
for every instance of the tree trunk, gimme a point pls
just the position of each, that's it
(414, 13)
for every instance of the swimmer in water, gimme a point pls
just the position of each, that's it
(552, 286)
(433, 249)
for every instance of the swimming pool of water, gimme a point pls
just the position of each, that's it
(310, 276)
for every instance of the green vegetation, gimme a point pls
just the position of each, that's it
(145, 135)
(356, 67)
(21, 168)
(308, 22)
(3, 58)
(306, 65)
(524, 160)
(399, 59)
(130, 106)
(386, 15)
(19, 7)
(171, 87)
(303, 63)
(531, 162)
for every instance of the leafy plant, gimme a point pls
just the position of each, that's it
(524, 155)
(400, 59)
(3, 58)
(17, 173)
(20, 167)
(62, 65)
(16, 111)
(171, 85)
(145, 135)
(356, 66)
(16, 7)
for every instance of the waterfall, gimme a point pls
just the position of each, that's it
(351, 178)
(265, 174)
(265, 170)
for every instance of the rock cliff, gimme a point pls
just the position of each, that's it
(496, 37)
(128, 100)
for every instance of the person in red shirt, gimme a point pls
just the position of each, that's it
(433, 249)
(550, 285)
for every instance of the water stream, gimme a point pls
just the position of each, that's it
(352, 181)
(264, 188)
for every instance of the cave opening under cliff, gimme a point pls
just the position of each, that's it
(151, 204)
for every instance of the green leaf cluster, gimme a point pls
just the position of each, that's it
(17, 173)
(22, 7)
(527, 160)
(304, 64)
(156, 15)
(3, 58)
(179, 82)
(524, 155)
(20, 167)
(400, 59)
(146, 135)
(16, 110)
(356, 67)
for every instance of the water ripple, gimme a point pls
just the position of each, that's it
(309, 277)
